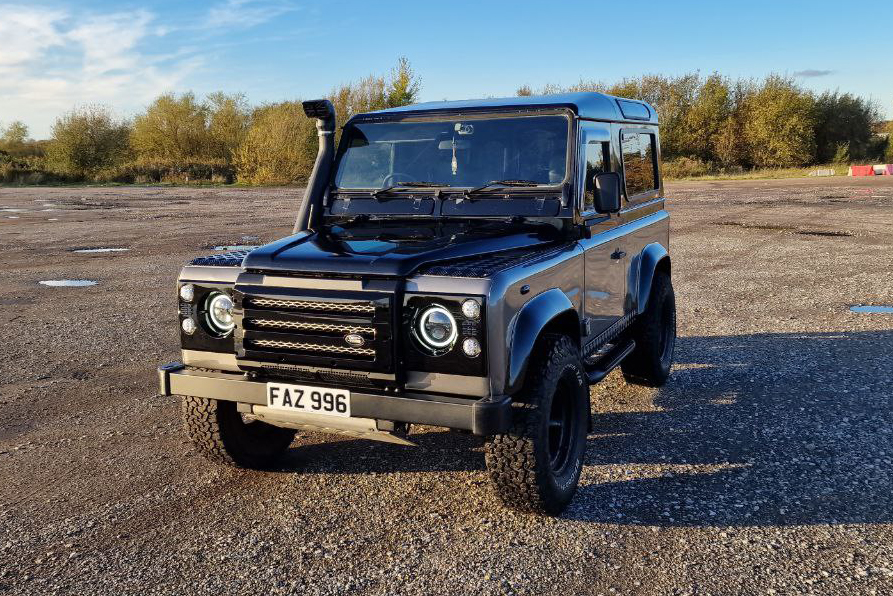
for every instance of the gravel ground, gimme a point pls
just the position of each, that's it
(763, 467)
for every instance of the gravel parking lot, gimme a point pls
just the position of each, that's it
(763, 467)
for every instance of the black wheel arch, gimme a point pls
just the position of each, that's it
(654, 258)
(546, 313)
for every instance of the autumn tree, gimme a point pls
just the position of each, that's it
(780, 124)
(843, 119)
(403, 86)
(172, 128)
(228, 120)
(279, 147)
(14, 134)
(87, 140)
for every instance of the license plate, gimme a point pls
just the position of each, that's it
(306, 398)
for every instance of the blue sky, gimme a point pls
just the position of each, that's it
(55, 55)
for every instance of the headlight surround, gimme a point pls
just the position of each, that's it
(436, 329)
(219, 314)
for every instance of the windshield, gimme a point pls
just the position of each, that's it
(454, 152)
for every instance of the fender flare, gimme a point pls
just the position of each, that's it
(654, 256)
(527, 327)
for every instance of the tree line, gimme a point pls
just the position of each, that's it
(184, 138)
(708, 124)
(715, 123)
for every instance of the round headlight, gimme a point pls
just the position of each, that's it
(471, 309)
(187, 292)
(220, 313)
(436, 327)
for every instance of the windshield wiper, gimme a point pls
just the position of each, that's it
(492, 183)
(411, 184)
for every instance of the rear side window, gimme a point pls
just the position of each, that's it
(633, 110)
(639, 165)
(596, 163)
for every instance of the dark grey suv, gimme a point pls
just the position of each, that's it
(475, 265)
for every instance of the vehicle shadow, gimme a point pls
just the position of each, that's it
(434, 451)
(764, 429)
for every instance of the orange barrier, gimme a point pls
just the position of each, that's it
(888, 171)
(862, 171)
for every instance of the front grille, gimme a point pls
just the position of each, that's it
(319, 329)
(360, 307)
(299, 346)
(323, 327)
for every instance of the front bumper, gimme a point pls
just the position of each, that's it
(488, 416)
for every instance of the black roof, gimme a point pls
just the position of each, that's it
(586, 104)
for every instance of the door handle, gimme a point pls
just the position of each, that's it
(618, 254)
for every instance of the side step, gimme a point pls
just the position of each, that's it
(600, 369)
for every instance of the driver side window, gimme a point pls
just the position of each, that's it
(597, 160)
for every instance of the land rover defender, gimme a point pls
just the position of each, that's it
(474, 265)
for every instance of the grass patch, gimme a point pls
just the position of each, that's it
(690, 169)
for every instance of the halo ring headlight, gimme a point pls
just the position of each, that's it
(436, 328)
(219, 313)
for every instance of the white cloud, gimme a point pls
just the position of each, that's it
(58, 60)
(53, 59)
(26, 33)
(246, 13)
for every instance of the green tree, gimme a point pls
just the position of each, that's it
(228, 120)
(843, 118)
(172, 128)
(404, 85)
(16, 133)
(279, 146)
(86, 140)
(708, 118)
(888, 153)
(780, 124)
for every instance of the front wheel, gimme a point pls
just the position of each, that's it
(536, 465)
(221, 434)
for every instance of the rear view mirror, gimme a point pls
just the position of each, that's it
(448, 144)
(607, 192)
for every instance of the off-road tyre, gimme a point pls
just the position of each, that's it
(521, 462)
(221, 434)
(654, 332)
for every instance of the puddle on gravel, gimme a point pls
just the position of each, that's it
(834, 233)
(99, 249)
(14, 210)
(68, 283)
(235, 247)
(780, 228)
(860, 308)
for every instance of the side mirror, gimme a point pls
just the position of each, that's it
(607, 192)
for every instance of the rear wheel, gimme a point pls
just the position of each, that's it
(655, 334)
(221, 434)
(536, 465)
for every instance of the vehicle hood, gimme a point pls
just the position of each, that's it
(386, 252)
